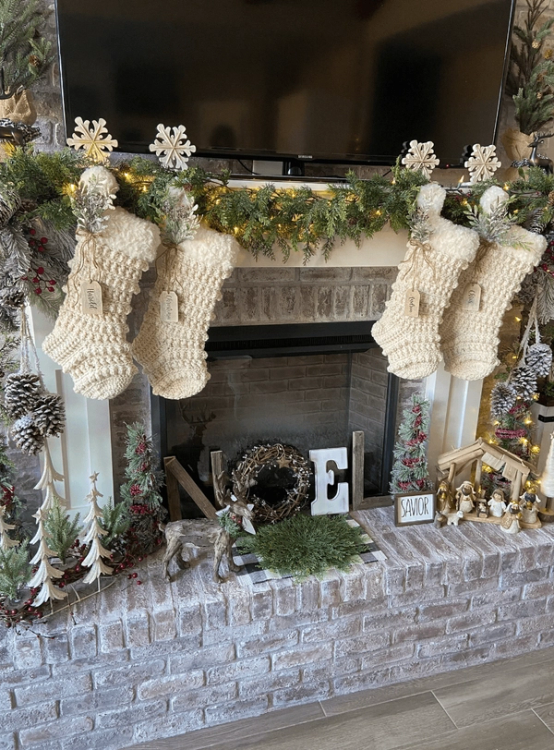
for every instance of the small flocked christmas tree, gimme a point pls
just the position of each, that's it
(409, 471)
(94, 533)
(141, 493)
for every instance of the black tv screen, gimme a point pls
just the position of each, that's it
(340, 80)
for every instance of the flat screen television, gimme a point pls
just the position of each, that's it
(324, 80)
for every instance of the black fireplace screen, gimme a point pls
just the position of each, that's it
(307, 386)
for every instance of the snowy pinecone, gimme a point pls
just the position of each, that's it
(49, 415)
(27, 435)
(13, 298)
(524, 380)
(539, 359)
(21, 391)
(503, 398)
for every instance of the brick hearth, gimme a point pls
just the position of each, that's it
(156, 660)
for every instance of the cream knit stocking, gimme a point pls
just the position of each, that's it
(172, 353)
(469, 332)
(412, 343)
(93, 349)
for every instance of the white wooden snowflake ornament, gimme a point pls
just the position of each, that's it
(93, 139)
(172, 147)
(421, 156)
(482, 163)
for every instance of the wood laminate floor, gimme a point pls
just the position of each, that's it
(508, 705)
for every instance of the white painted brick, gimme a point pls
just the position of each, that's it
(251, 689)
(238, 670)
(107, 739)
(111, 637)
(302, 655)
(97, 700)
(133, 674)
(27, 651)
(266, 643)
(132, 714)
(448, 645)
(204, 697)
(26, 717)
(170, 686)
(54, 689)
(343, 628)
(362, 644)
(62, 728)
(225, 712)
(301, 694)
(202, 658)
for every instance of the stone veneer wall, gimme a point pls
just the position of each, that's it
(142, 662)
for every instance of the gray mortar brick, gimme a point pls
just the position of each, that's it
(473, 619)
(420, 632)
(240, 709)
(233, 633)
(329, 593)
(324, 670)
(53, 689)
(391, 620)
(21, 677)
(188, 700)
(107, 739)
(63, 728)
(528, 608)
(492, 598)
(251, 689)
(202, 658)
(190, 619)
(398, 652)
(438, 611)
(534, 624)
(301, 694)
(28, 651)
(83, 641)
(169, 685)
(133, 714)
(268, 643)
(238, 670)
(137, 628)
(538, 590)
(56, 648)
(362, 644)
(286, 599)
(8, 741)
(262, 604)
(165, 625)
(111, 637)
(6, 700)
(18, 718)
(169, 725)
(97, 700)
(267, 275)
(129, 675)
(514, 646)
(493, 634)
(329, 631)
(448, 645)
(300, 655)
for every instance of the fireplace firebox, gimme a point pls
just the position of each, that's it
(309, 386)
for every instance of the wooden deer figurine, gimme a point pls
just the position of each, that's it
(235, 517)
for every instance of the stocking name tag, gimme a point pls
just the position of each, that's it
(411, 305)
(91, 297)
(472, 297)
(169, 307)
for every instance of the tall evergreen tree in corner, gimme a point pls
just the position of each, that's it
(409, 471)
(141, 492)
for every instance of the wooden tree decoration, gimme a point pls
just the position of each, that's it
(46, 482)
(46, 572)
(5, 541)
(93, 560)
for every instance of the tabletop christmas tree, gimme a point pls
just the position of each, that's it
(45, 573)
(409, 472)
(94, 533)
(141, 492)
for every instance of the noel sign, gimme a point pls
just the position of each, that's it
(411, 509)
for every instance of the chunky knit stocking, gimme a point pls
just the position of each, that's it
(93, 348)
(431, 268)
(469, 331)
(172, 353)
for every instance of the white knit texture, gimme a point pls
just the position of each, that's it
(412, 345)
(172, 354)
(470, 337)
(94, 349)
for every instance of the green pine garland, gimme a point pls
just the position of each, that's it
(305, 545)
(15, 570)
